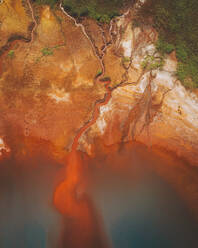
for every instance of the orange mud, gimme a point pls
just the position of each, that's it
(70, 72)
(95, 115)
(69, 196)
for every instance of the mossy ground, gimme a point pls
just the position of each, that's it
(100, 10)
(177, 24)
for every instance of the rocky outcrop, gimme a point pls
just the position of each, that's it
(154, 108)
(49, 90)
(47, 86)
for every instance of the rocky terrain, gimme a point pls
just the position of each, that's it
(54, 71)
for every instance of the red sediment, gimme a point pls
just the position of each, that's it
(66, 194)
(70, 198)
(4, 50)
(95, 115)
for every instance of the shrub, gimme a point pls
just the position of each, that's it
(101, 11)
(177, 24)
(105, 19)
(152, 63)
(46, 51)
(182, 71)
(126, 59)
(99, 72)
(11, 54)
(49, 2)
(164, 47)
(181, 52)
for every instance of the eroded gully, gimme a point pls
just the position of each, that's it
(67, 199)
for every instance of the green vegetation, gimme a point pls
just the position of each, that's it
(100, 10)
(164, 47)
(177, 24)
(49, 2)
(126, 59)
(59, 19)
(46, 51)
(151, 62)
(11, 54)
(99, 72)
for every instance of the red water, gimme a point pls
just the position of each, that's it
(70, 198)
(65, 195)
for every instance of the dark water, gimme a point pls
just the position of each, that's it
(138, 209)
(149, 216)
(28, 219)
